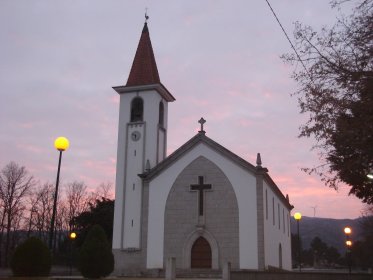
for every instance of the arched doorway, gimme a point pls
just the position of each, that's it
(201, 256)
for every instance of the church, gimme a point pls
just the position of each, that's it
(202, 205)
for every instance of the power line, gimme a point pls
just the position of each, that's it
(287, 37)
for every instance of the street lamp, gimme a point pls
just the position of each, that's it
(348, 231)
(72, 237)
(61, 144)
(370, 174)
(298, 217)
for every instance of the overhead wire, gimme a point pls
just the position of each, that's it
(287, 37)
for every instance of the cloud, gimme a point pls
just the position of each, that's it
(221, 62)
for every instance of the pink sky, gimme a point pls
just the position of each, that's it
(220, 59)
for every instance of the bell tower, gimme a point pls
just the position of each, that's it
(142, 139)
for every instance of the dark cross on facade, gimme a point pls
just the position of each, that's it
(202, 122)
(200, 188)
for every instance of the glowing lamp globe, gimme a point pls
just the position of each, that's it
(348, 243)
(72, 235)
(297, 216)
(61, 144)
(347, 230)
(370, 174)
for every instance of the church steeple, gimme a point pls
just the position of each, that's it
(142, 141)
(144, 68)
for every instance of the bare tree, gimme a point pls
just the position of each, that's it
(104, 191)
(77, 200)
(15, 184)
(40, 211)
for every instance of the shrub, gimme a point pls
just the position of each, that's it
(95, 258)
(31, 258)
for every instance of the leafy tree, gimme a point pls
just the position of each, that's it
(332, 255)
(335, 91)
(101, 213)
(362, 251)
(352, 142)
(95, 258)
(319, 249)
(31, 258)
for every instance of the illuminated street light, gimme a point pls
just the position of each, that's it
(370, 174)
(298, 217)
(72, 235)
(348, 242)
(61, 144)
(347, 230)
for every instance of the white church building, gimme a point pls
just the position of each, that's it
(202, 205)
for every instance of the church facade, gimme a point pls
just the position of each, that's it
(202, 205)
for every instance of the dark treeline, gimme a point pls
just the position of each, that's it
(26, 208)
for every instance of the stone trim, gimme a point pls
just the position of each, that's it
(260, 218)
(160, 88)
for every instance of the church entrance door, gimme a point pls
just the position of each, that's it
(201, 254)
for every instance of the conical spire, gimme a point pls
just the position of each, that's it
(144, 68)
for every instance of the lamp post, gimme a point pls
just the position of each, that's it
(72, 237)
(348, 231)
(370, 174)
(61, 144)
(298, 217)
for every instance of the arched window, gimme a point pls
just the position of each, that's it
(137, 110)
(161, 114)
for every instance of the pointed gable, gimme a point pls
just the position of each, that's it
(202, 138)
(144, 68)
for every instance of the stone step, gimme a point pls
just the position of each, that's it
(198, 273)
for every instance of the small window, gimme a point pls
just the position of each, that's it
(161, 114)
(279, 219)
(273, 210)
(287, 221)
(266, 205)
(137, 110)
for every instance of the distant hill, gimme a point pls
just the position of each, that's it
(329, 230)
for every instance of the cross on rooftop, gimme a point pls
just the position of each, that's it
(202, 122)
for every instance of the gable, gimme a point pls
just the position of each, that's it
(244, 186)
(200, 138)
(223, 154)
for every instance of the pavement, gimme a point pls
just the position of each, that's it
(56, 272)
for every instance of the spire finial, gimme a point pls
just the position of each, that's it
(146, 15)
(202, 122)
(258, 160)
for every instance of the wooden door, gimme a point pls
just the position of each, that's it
(201, 254)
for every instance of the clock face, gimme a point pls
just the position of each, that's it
(135, 135)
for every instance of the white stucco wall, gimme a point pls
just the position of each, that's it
(244, 185)
(133, 195)
(124, 234)
(273, 235)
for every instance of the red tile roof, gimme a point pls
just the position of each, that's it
(144, 68)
